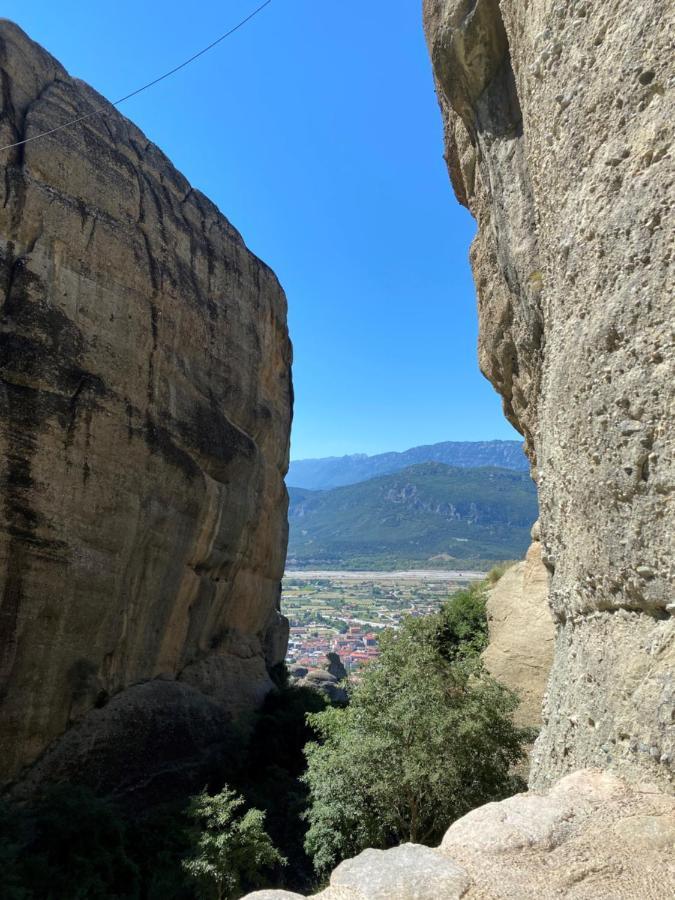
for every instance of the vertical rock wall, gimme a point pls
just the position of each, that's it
(558, 126)
(145, 407)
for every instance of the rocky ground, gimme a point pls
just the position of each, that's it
(591, 837)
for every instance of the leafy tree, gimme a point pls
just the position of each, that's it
(461, 626)
(427, 736)
(230, 849)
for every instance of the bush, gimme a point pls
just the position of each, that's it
(461, 626)
(428, 736)
(230, 849)
(70, 843)
(270, 777)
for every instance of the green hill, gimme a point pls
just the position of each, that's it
(422, 516)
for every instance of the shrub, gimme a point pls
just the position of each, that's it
(428, 736)
(461, 626)
(497, 571)
(230, 849)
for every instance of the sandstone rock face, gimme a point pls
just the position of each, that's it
(521, 631)
(558, 125)
(591, 836)
(145, 405)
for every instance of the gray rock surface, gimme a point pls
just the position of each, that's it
(274, 895)
(592, 836)
(151, 742)
(145, 404)
(326, 678)
(408, 872)
(559, 121)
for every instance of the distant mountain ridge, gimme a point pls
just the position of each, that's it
(425, 515)
(337, 471)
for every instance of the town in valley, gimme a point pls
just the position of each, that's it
(344, 612)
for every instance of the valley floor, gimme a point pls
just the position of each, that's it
(425, 575)
(344, 611)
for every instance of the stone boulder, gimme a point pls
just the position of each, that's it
(326, 678)
(335, 667)
(591, 836)
(145, 407)
(408, 872)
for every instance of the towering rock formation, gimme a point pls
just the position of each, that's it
(558, 126)
(145, 406)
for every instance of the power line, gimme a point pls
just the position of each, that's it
(105, 109)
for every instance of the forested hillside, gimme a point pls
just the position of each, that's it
(430, 514)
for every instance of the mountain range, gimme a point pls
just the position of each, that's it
(426, 515)
(336, 471)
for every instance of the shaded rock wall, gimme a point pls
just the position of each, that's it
(558, 128)
(145, 406)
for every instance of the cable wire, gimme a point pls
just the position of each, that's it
(105, 109)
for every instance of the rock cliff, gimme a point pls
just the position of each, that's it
(521, 633)
(558, 129)
(145, 406)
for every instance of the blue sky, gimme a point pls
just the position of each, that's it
(316, 131)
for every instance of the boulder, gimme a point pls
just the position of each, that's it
(335, 667)
(327, 678)
(591, 836)
(408, 872)
(327, 684)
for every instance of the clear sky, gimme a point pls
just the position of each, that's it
(316, 131)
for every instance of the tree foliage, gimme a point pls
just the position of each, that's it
(428, 736)
(231, 849)
(460, 629)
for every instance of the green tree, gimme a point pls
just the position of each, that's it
(461, 626)
(231, 849)
(428, 736)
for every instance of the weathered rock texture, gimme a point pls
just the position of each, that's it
(145, 404)
(326, 678)
(521, 631)
(558, 124)
(592, 836)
